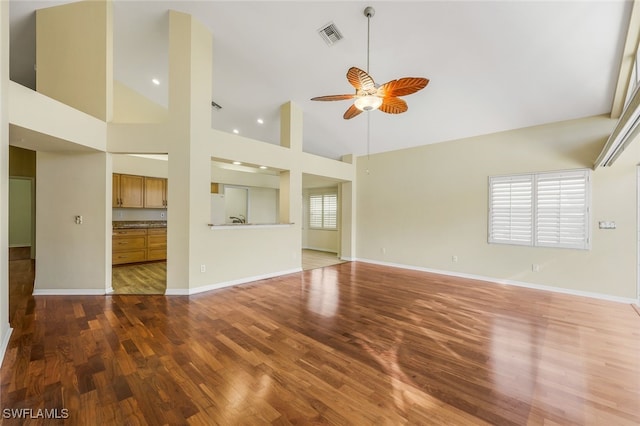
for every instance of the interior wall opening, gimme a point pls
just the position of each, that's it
(140, 209)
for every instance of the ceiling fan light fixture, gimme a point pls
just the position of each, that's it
(368, 102)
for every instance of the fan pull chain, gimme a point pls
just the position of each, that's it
(368, 135)
(368, 140)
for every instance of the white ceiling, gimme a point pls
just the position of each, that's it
(493, 66)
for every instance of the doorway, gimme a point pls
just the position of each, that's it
(21, 244)
(320, 222)
(139, 223)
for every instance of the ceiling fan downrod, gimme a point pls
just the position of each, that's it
(369, 12)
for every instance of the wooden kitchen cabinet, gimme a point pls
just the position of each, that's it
(128, 246)
(128, 191)
(155, 192)
(115, 190)
(157, 244)
(138, 245)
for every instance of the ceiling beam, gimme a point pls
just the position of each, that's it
(628, 60)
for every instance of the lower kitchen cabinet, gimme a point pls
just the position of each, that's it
(157, 244)
(138, 245)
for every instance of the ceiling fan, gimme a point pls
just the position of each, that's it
(370, 96)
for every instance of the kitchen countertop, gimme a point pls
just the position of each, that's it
(139, 224)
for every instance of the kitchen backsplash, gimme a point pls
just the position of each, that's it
(139, 214)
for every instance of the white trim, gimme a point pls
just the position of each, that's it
(638, 235)
(320, 249)
(110, 290)
(176, 292)
(348, 259)
(600, 296)
(5, 343)
(69, 292)
(216, 286)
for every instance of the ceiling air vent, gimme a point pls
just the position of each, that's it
(330, 33)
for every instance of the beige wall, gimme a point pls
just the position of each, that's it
(133, 165)
(20, 212)
(427, 204)
(237, 177)
(5, 329)
(130, 106)
(73, 258)
(74, 57)
(40, 123)
(22, 162)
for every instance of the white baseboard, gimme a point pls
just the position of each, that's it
(69, 292)
(600, 296)
(320, 249)
(216, 286)
(176, 292)
(5, 343)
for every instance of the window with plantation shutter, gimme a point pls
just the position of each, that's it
(323, 211)
(511, 209)
(315, 211)
(562, 210)
(541, 209)
(330, 211)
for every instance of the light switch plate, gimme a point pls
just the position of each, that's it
(606, 225)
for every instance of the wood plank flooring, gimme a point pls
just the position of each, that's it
(348, 344)
(140, 278)
(151, 278)
(312, 259)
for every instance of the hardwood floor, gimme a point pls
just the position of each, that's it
(140, 278)
(348, 344)
(21, 277)
(312, 259)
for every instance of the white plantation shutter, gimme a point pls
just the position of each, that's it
(330, 211)
(562, 209)
(315, 211)
(511, 209)
(323, 211)
(541, 209)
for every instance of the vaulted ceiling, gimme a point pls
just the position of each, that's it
(493, 66)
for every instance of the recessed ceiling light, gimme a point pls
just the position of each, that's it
(260, 121)
(236, 131)
(263, 167)
(155, 81)
(237, 163)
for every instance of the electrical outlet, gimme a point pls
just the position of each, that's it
(203, 268)
(78, 220)
(535, 267)
(454, 258)
(383, 250)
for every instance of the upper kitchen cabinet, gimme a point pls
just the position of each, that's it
(128, 191)
(155, 193)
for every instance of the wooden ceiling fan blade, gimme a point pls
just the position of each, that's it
(351, 112)
(360, 79)
(403, 86)
(333, 98)
(393, 105)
